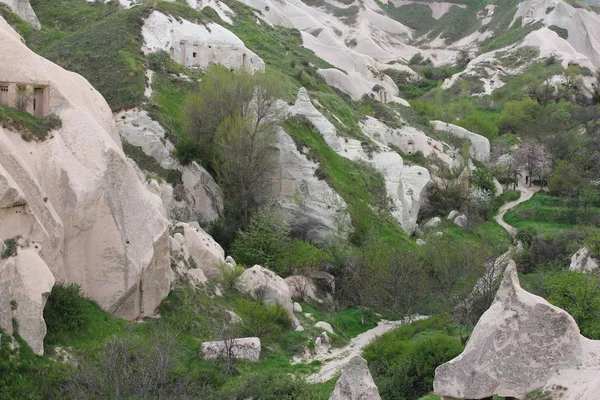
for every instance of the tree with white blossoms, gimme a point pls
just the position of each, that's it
(533, 157)
(478, 202)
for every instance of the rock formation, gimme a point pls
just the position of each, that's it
(583, 261)
(260, 282)
(316, 210)
(25, 284)
(522, 343)
(78, 196)
(238, 348)
(356, 382)
(196, 45)
(405, 184)
(480, 145)
(199, 249)
(23, 9)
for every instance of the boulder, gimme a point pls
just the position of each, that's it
(461, 221)
(302, 287)
(452, 214)
(432, 223)
(326, 326)
(260, 282)
(202, 248)
(25, 284)
(520, 344)
(196, 276)
(322, 343)
(356, 382)
(240, 349)
(297, 308)
(229, 260)
(420, 242)
(583, 261)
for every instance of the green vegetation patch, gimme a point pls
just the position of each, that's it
(360, 185)
(149, 164)
(28, 125)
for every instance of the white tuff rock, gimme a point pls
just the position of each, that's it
(356, 382)
(326, 326)
(239, 349)
(432, 223)
(202, 248)
(24, 10)
(78, 196)
(583, 261)
(522, 343)
(461, 221)
(260, 282)
(480, 145)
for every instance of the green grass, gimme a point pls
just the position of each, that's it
(28, 125)
(547, 214)
(347, 322)
(359, 185)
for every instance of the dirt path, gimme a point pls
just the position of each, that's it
(336, 359)
(526, 194)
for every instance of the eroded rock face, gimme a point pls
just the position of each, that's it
(260, 282)
(356, 382)
(198, 245)
(239, 349)
(78, 196)
(198, 45)
(480, 145)
(25, 284)
(520, 344)
(405, 184)
(23, 9)
(583, 261)
(316, 210)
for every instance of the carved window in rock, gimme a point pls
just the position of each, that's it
(4, 95)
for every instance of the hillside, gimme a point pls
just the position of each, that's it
(300, 199)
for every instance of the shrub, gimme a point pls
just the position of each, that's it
(65, 312)
(261, 319)
(231, 276)
(299, 256)
(268, 386)
(525, 235)
(10, 248)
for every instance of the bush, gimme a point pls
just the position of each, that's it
(10, 248)
(263, 239)
(261, 319)
(268, 386)
(483, 178)
(525, 235)
(65, 312)
(299, 256)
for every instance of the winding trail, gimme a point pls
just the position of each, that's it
(337, 358)
(526, 194)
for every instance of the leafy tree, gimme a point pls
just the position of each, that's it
(533, 157)
(579, 294)
(262, 240)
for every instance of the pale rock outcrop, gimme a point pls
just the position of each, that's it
(203, 195)
(461, 220)
(326, 326)
(582, 261)
(229, 260)
(239, 349)
(520, 344)
(432, 223)
(322, 343)
(356, 382)
(196, 45)
(452, 214)
(480, 145)
(315, 209)
(408, 139)
(25, 284)
(297, 308)
(420, 242)
(405, 184)
(207, 254)
(79, 197)
(23, 9)
(260, 282)
(302, 287)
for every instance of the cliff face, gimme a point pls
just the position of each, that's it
(77, 196)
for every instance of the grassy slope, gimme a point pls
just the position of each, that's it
(547, 214)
